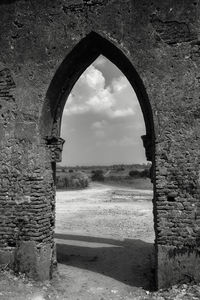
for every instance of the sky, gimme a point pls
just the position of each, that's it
(102, 122)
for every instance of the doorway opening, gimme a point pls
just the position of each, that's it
(84, 55)
(104, 219)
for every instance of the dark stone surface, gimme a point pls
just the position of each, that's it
(45, 47)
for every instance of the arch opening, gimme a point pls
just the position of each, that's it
(77, 61)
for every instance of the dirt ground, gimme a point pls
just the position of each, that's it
(105, 251)
(105, 238)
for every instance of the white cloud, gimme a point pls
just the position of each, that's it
(91, 96)
(119, 84)
(99, 124)
(104, 117)
(101, 102)
(93, 78)
(76, 110)
(122, 113)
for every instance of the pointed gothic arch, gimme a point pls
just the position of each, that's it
(81, 56)
(72, 67)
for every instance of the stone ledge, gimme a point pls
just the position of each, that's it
(55, 144)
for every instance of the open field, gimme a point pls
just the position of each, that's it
(105, 240)
(106, 210)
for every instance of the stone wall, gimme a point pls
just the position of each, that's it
(160, 39)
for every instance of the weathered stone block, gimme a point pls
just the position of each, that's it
(34, 262)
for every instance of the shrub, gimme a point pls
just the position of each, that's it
(134, 173)
(139, 173)
(120, 169)
(73, 180)
(146, 173)
(97, 175)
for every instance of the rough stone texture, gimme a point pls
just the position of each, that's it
(55, 144)
(156, 45)
(35, 262)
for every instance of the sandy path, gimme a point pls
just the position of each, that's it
(105, 240)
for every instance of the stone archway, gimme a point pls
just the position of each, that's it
(81, 56)
(160, 40)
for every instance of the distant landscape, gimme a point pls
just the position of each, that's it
(79, 177)
(104, 229)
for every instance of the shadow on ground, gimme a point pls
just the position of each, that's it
(128, 261)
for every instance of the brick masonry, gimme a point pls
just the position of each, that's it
(158, 43)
